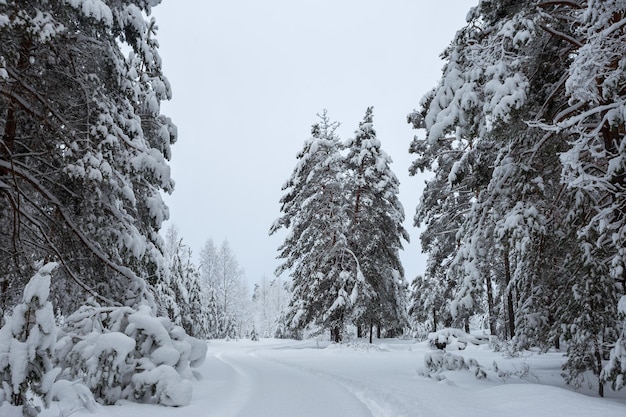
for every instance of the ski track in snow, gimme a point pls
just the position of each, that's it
(260, 387)
(382, 402)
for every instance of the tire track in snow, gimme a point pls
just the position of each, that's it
(380, 401)
(238, 390)
(269, 388)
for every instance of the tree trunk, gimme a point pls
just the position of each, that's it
(598, 356)
(378, 331)
(434, 319)
(335, 334)
(490, 312)
(509, 297)
(371, 329)
(359, 331)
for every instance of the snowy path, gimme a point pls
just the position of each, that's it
(252, 386)
(304, 378)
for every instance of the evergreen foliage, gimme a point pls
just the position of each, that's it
(83, 149)
(106, 353)
(323, 269)
(376, 231)
(122, 353)
(27, 344)
(525, 133)
(180, 293)
(345, 232)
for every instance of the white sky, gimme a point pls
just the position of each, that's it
(248, 79)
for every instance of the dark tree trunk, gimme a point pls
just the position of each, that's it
(490, 309)
(509, 296)
(598, 356)
(371, 329)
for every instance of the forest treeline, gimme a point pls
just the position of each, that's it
(524, 217)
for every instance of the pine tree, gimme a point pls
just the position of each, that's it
(326, 279)
(429, 302)
(595, 164)
(208, 283)
(180, 294)
(375, 234)
(544, 199)
(83, 148)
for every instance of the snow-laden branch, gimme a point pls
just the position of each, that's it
(575, 120)
(571, 3)
(562, 35)
(52, 199)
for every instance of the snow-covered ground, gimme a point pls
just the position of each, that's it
(313, 378)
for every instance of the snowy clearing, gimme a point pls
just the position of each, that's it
(314, 378)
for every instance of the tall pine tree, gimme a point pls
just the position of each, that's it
(539, 158)
(316, 252)
(375, 234)
(83, 148)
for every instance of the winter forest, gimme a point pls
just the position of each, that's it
(522, 219)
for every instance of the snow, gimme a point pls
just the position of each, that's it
(621, 305)
(39, 285)
(315, 378)
(94, 8)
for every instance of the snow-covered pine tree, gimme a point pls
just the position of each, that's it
(326, 279)
(494, 81)
(429, 304)
(27, 343)
(180, 291)
(213, 315)
(164, 291)
(83, 148)
(208, 282)
(594, 168)
(551, 224)
(442, 210)
(375, 234)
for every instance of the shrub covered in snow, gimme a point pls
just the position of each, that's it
(444, 361)
(454, 339)
(438, 362)
(122, 353)
(117, 352)
(26, 344)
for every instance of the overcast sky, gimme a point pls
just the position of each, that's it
(249, 77)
